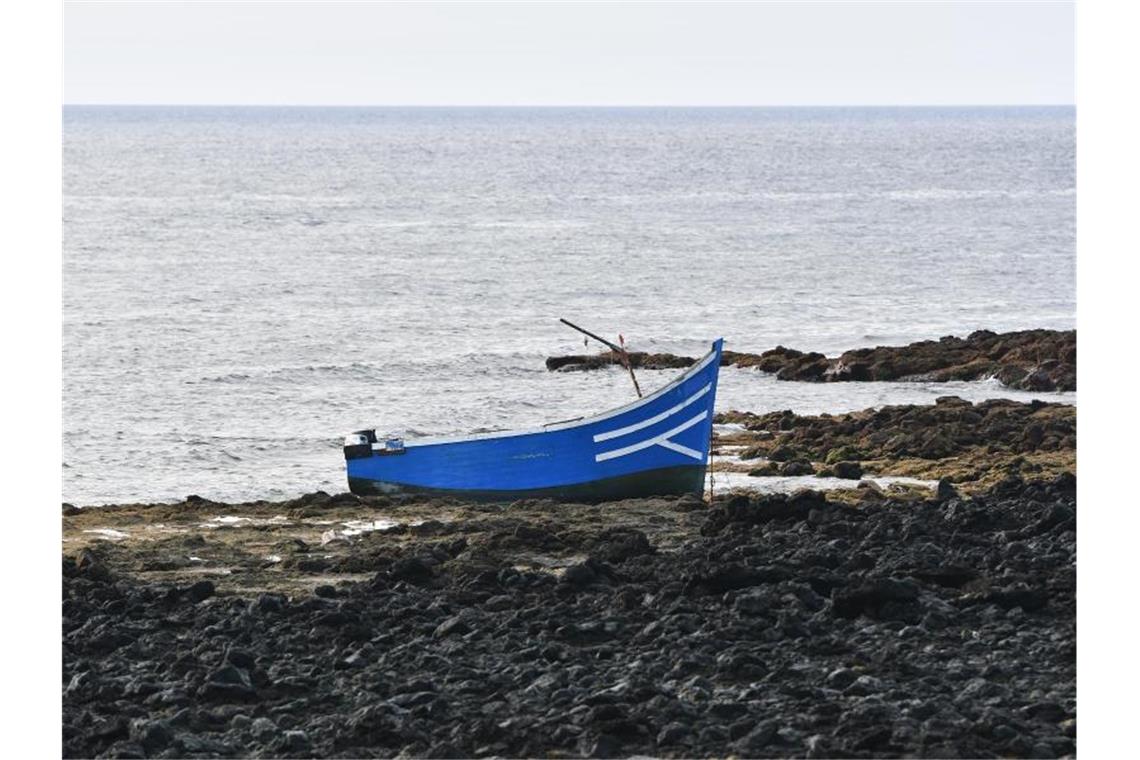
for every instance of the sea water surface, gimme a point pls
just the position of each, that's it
(243, 286)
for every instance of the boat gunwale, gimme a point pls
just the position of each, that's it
(570, 424)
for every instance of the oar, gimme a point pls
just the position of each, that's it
(620, 350)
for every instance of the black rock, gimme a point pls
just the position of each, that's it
(264, 729)
(110, 730)
(753, 603)
(727, 711)
(90, 566)
(1028, 599)
(601, 746)
(757, 739)
(336, 618)
(951, 576)
(240, 658)
(411, 570)
(873, 739)
(1050, 712)
(731, 576)
(620, 544)
(291, 742)
(674, 733)
(587, 573)
(230, 674)
(313, 565)
(579, 575)
(864, 686)
(1065, 483)
(193, 745)
(796, 468)
(153, 736)
(498, 603)
(456, 625)
(200, 591)
(817, 747)
(78, 683)
(446, 751)
(945, 490)
(270, 602)
(841, 678)
(848, 470)
(228, 684)
(782, 454)
(870, 597)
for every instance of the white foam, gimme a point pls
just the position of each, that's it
(231, 521)
(109, 533)
(356, 527)
(741, 481)
(352, 528)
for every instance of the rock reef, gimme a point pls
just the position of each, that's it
(1036, 360)
(776, 626)
(970, 443)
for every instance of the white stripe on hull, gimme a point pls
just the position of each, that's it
(651, 420)
(659, 440)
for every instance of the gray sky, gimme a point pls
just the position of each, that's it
(569, 54)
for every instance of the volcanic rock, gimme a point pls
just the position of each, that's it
(1034, 360)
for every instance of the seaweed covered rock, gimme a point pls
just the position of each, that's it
(949, 427)
(1035, 360)
(1039, 360)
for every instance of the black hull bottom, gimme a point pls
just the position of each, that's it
(668, 481)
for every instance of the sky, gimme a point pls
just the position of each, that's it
(399, 53)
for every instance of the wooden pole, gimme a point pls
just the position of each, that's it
(625, 357)
(620, 350)
(598, 338)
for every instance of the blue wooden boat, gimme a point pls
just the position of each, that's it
(657, 445)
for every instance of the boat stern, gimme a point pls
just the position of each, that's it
(358, 445)
(370, 462)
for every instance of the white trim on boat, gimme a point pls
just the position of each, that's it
(690, 372)
(658, 440)
(680, 449)
(651, 420)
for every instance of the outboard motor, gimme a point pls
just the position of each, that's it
(358, 445)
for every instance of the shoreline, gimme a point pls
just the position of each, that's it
(867, 622)
(971, 444)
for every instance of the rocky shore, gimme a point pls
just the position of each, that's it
(758, 626)
(1036, 360)
(972, 446)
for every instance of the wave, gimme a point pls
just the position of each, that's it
(947, 194)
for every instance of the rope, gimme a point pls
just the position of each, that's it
(712, 468)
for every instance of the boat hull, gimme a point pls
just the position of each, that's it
(669, 481)
(657, 445)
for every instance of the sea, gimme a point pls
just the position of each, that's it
(243, 286)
